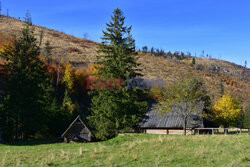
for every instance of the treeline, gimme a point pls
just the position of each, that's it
(161, 53)
(40, 98)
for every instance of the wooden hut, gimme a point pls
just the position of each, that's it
(171, 123)
(77, 132)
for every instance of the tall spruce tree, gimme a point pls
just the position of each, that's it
(121, 108)
(152, 51)
(48, 50)
(193, 61)
(30, 88)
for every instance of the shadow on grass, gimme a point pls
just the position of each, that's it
(32, 142)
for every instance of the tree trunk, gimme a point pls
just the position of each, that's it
(226, 130)
(185, 126)
(16, 127)
(58, 71)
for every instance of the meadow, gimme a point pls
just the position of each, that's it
(134, 150)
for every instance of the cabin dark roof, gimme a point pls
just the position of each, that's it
(78, 130)
(154, 119)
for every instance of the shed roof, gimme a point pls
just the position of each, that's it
(154, 119)
(76, 127)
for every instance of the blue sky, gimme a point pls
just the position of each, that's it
(219, 27)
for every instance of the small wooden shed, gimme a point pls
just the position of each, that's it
(77, 132)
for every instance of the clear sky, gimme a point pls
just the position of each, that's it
(219, 27)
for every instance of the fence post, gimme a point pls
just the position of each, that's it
(212, 131)
(240, 130)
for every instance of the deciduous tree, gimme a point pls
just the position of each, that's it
(184, 97)
(69, 78)
(226, 110)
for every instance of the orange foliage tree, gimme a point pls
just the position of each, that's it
(94, 69)
(81, 76)
(5, 43)
(53, 70)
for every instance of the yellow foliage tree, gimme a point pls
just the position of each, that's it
(6, 43)
(156, 92)
(69, 78)
(94, 69)
(226, 110)
(81, 79)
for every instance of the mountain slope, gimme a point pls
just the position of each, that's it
(82, 54)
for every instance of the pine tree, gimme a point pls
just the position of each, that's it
(145, 49)
(41, 38)
(48, 50)
(116, 109)
(0, 8)
(152, 51)
(221, 88)
(27, 18)
(28, 84)
(193, 61)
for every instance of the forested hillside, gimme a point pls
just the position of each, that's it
(47, 72)
(82, 54)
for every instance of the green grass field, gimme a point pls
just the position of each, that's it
(135, 150)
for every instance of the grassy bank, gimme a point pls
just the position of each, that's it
(135, 150)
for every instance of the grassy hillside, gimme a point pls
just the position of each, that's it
(136, 150)
(75, 49)
(82, 54)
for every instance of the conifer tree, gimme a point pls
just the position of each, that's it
(152, 51)
(29, 85)
(193, 61)
(41, 38)
(221, 88)
(116, 109)
(0, 8)
(144, 49)
(48, 50)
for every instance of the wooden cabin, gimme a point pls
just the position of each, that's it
(77, 132)
(171, 123)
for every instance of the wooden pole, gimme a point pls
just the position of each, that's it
(225, 131)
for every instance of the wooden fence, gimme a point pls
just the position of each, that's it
(221, 131)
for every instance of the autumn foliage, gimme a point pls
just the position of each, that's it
(5, 43)
(94, 69)
(69, 78)
(81, 76)
(227, 110)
